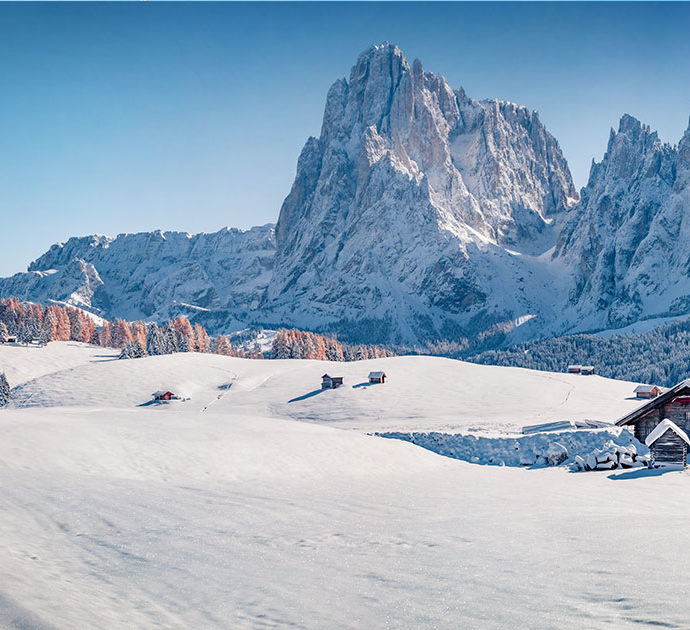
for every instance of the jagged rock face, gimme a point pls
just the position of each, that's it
(627, 244)
(412, 207)
(152, 275)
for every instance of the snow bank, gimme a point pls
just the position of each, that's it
(549, 449)
(613, 456)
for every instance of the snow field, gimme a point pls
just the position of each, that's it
(264, 513)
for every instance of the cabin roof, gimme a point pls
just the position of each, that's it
(574, 366)
(644, 389)
(586, 367)
(376, 374)
(662, 427)
(681, 388)
(162, 392)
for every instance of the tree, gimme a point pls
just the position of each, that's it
(170, 339)
(221, 345)
(4, 390)
(203, 342)
(155, 340)
(3, 332)
(133, 350)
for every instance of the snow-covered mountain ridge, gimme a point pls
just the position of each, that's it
(418, 214)
(152, 275)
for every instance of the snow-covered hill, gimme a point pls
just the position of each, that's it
(239, 508)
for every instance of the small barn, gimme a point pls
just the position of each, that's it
(587, 369)
(164, 395)
(377, 377)
(647, 391)
(331, 382)
(574, 369)
(668, 444)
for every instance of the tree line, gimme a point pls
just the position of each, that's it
(299, 344)
(28, 322)
(660, 356)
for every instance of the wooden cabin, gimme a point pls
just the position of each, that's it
(10, 339)
(377, 377)
(164, 395)
(668, 444)
(672, 405)
(647, 391)
(574, 369)
(331, 382)
(586, 369)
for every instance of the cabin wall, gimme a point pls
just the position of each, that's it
(645, 425)
(679, 414)
(669, 449)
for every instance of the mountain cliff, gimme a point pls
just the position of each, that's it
(626, 246)
(418, 211)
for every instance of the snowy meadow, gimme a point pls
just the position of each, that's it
(262, 501)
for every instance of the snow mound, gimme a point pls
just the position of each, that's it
(527, 450)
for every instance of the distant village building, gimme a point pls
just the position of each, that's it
(574, 369)
(587, 369)
(671, 407)
(377, 377)
(10, 339)
(164, 395)
(668, 444)
(647, 391)
(331, 382)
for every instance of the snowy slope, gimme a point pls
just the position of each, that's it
(238, 516)
(453, 394)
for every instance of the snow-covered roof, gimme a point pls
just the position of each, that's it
(587, 367)
(664, 426)
(574, 367)
(377, 374)
(161, 392)
(645, 389)
(681, 388)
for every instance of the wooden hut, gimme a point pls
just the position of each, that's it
(586, 369)
(647, 391)
(331, 382)
(377, 377)
(668, 444)
(673, 404)
(164, 395)
(574, 369)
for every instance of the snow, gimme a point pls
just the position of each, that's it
(261, 512)
(662, 427)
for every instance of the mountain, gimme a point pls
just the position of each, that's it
(419, 212)
(627, 245)
(154, 275)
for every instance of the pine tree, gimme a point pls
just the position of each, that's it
(3, 332)
(4, 390)
(133, 350)
(155, 340)
(170, 339)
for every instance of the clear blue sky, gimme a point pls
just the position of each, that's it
(138, 116)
